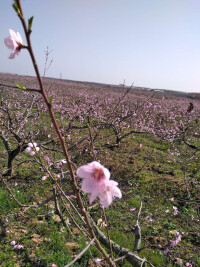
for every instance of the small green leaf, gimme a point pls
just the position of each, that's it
(21, 87)
(30, 21)
(50, 99)
(16, 8)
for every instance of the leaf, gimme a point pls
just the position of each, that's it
(30, 21)
(50, 99)
(16, 8)
(21, 87)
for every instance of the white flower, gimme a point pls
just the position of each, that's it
(32, 147)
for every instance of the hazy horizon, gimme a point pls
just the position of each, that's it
(152, 44)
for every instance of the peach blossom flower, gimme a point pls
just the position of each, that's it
(14, 42)
(95, 177)
(98, 261)
(109, 194)
(18, 246)
(96, 182)
(44, 178)
(32, 147)
(133, 209)
(175, 210)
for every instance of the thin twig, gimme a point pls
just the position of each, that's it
(15, 87)
(138, 231)
(81, 253)
(108, 234)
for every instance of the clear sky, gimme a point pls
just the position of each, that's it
(153, 43)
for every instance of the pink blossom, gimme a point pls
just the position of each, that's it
(13, 243)
(57, 176)
(148, 218)
(95, 177)
(132, 210)
(18, 246)
(72, 196)
(16, 184)
(14, 42)
(53, 265)
(175, 210)
(171, 199)
(32, 147)
(98, 261)
(47, 159)
(96, 182)
(173, 243)
(109, 194)
(60, 163)
(178, 239)
(167, 211)
(44, 178)
(188, 264)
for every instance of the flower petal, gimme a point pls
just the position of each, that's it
(9, 43)
(12, 55)
(105, 198)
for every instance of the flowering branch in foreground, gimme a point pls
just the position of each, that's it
(15, 43)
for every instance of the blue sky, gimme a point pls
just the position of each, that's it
(153, 43)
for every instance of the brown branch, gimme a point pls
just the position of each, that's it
(62, 142)
(16, 87)
(133, 258)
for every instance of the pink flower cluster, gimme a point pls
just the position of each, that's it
(32, 147)
(60, 163)
(175, 210)
(188, 264)
(97, 183)
(16, 246)
(14, 42)
(177, 240)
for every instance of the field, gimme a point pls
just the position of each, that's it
(150, 142)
